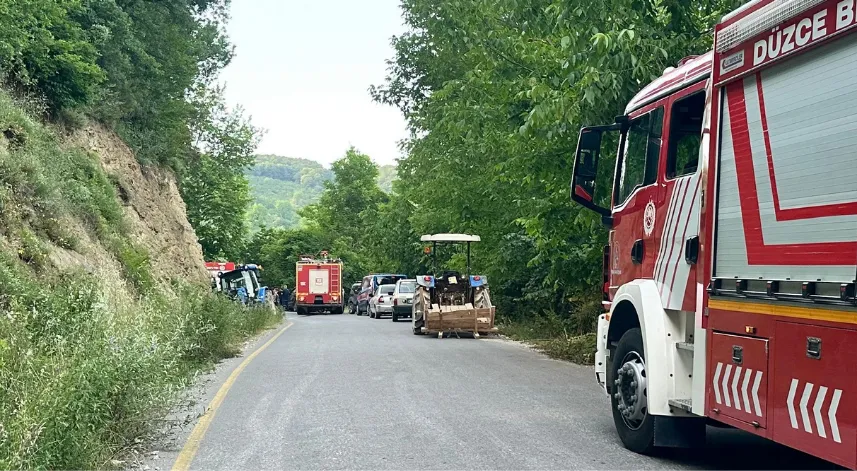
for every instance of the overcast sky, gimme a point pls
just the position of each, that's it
(303, 68)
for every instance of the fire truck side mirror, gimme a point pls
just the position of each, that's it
(585, 173)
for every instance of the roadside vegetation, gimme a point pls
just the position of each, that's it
(93, 345)
(88, 361)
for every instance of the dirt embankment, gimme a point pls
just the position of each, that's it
(154, 210)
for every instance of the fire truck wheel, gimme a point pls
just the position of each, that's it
(635, 426)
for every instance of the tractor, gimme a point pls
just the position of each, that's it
(448, 302)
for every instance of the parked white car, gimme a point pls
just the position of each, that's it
(403, 299)
(382, 302)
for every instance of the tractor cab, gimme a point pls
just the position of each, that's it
(242, 284)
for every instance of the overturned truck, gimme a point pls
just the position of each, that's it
(448, 302)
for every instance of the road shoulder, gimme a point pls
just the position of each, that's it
(160, 451)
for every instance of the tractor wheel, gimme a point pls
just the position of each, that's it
(636, 427)
(482, 299)
(418, 309)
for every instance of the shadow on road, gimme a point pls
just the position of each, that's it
(735, 449)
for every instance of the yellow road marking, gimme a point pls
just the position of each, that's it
(196, 435)
(832, 315)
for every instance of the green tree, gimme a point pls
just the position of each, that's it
(494, 93)
(44, 50)
(213, 185)
(350, 200)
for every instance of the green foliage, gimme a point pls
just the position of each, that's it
(213, 185)
(350, 199)
(386, 177)
(130, 63)
(84, 370)
(280, 187)
(135, 264)
(495, 92)
(43, 48)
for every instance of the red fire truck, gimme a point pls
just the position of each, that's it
(319, 285)
(730, 271)
(215, 269)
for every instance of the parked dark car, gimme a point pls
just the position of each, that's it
(352, 297)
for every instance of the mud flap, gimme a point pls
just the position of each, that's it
(601, 352)
(679, 432)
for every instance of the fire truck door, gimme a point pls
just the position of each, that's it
(677, 229)
(635, 195)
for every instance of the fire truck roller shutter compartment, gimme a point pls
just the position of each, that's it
(787, 199)
(319, 281)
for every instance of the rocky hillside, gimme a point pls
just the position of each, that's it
(153, 208)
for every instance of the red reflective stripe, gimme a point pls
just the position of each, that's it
(758, 253)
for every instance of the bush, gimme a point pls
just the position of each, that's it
(554, 335)
(85, 369)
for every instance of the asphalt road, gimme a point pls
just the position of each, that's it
(341, 391)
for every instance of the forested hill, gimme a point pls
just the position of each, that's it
(281, 186)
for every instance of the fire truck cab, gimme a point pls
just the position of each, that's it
(730, 273)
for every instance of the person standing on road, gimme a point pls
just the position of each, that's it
(284, 297)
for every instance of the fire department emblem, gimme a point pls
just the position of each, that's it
(649, 219)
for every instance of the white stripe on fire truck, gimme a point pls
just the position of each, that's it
(722, 388)
(804, 400)
(790, 401)
(756, 393)
(664, 232)
(816, 411)
(735, 387)
(683, 216)
(744, 385)
(680, 266)
(716, 383)
(669, 225)
(817, 407)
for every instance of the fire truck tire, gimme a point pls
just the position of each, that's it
(637, 432)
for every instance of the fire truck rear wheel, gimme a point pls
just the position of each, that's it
(635, 426)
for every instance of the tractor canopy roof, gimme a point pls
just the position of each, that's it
(451, 238)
